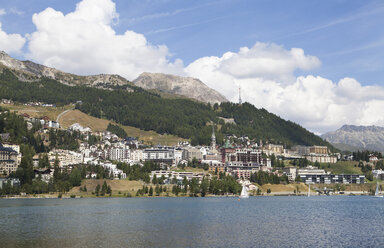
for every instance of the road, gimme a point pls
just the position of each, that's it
(62, 113)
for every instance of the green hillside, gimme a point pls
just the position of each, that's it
(149, 111)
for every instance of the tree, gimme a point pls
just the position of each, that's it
(97, 189)
(25, 171)
(157, 190)
(150, 191)
(75, 177)
(154, 180)
(56, 171)
(204, 187)
(185, 184)
(104, 188)
(109, 190)
(43, 161)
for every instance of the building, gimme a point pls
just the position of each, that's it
(8, 160)
(117, 173)
(191, 152)
(136, 156)
(379, 174)
(226, 149)
(12, 181)
(273, 149)
(160, 155)
(121, 154)
(44, 173)
(310, 170)
(318, 150)
(65, 157)
(291, 173)
(16, 148)
(245, 156)
(321, 158)
(215, 166)
(242, 170)
(306, 150)
(178, 176)
(329, 178)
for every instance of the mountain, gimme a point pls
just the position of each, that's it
(185, 86)
(28, 71)
(360, 137)
(144, 109)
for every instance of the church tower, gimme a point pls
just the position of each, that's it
(213, 138)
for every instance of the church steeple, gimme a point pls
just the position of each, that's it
(213, 138)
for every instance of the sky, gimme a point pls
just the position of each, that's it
(317, 63)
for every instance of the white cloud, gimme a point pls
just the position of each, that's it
(265, 74)
(84, 42)
(2, 12)
(11, 43)
(16, 11)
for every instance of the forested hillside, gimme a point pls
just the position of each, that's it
(148, 111)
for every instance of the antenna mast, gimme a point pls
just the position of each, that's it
(240, 101)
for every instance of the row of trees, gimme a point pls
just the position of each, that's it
(137, 172)
(217, 185)
(103, 190)
(18, 131)
(116, 129)
(64, 139)
(263, 177)
(364, 155)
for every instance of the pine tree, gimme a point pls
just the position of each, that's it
(150, 191)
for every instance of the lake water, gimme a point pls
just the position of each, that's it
(335, 221)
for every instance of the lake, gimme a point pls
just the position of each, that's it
(320, 221)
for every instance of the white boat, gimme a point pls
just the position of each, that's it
(244, 192)
(377, 191)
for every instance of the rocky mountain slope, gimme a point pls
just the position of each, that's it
(361, 137)
(185, 86)
(28, 71)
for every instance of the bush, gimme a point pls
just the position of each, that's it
(73, 196)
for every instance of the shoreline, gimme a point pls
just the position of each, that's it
(184, 196)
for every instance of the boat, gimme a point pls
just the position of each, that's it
(377, 191)
(244, 192)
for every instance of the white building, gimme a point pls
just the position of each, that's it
(160, 155)
(179, 176)
(136, 156)
(65, 157)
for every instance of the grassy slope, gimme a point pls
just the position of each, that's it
(124, 186)
(343, 167)
(96, 124)
(119, 187)
(284, 188)
(37, 111)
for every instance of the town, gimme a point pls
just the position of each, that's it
(80, 153)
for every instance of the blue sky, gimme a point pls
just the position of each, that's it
(346, 36)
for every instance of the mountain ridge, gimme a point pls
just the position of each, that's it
(185, 86)
(28, 71)
(361, 137)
